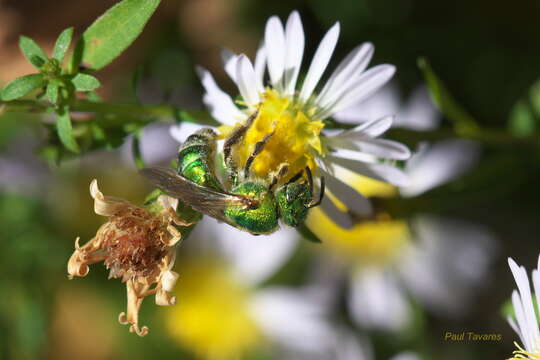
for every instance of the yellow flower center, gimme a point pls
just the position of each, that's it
(295, 140)
(212, 315)
(523, 354)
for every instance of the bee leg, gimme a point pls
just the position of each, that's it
(321, 195)
(259, 147)
(236, 136)
(282, 170)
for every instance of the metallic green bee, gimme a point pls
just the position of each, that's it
(248, 204)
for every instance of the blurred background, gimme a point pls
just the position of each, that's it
(393, 287)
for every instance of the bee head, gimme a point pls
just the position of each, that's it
(293, 201)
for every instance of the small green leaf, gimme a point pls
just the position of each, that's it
(62, 44)
(440, 95)
(521, 123)
(308, 234)
(52, 93)
(65, 131)
(112, 33)
(22, 86)
(136, 150)
(32, 52)
(85, 82)
(37, 61)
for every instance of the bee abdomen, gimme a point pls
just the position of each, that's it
(196, 158)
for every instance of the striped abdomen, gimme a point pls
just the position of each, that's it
(196, 158)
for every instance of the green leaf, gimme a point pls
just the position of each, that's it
(463, 121)
(112, 33)
(22, 86)
(52, 93)
(308, 235)
(65, 130)
(136, 150)
(62, 44)
(521, 122)
(32, 52)
(85, 82)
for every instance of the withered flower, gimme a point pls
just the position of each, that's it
(138, 246)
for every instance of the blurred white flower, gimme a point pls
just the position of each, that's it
(441, 268)
(417, 113)
(525, 323)
(290, 118)
(438, 164)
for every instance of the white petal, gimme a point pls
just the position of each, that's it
(294, 38)
(229, 60)
(253, 259)
(260, 63)
(439, 164)
(419, 113)
(180, 132)
(383, 172)
(256, 258)
(447, 264)
(380, 148)
(383, 102)
(247, 82)
(530, 325)
(372, 128)
(349, 196)
(220, 104)
(377, 301)
(347, 71)
(339, 217)
(320, 61)
(367, 84)
(274, 39)
(293, 318)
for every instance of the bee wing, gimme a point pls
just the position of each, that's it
(203, 199)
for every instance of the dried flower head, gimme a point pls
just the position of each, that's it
(138, 246)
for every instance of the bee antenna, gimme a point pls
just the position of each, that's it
(295, 177)
(310, 179)
(321, 195)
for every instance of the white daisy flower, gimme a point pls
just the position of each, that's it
(287, 118)
(525, 323)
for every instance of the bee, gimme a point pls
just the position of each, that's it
(252, 205)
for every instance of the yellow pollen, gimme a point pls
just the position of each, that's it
(212, 316)
(295, 140)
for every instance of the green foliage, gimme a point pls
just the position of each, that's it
(112, 33)
(52, 93)
(65, 130)
(463, 122)
(62, 44)
(32, 52)
(85, 82)
(522, 122)
(22, 86)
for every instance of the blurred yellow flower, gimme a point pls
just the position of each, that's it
(376, 241)
(213, 318)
